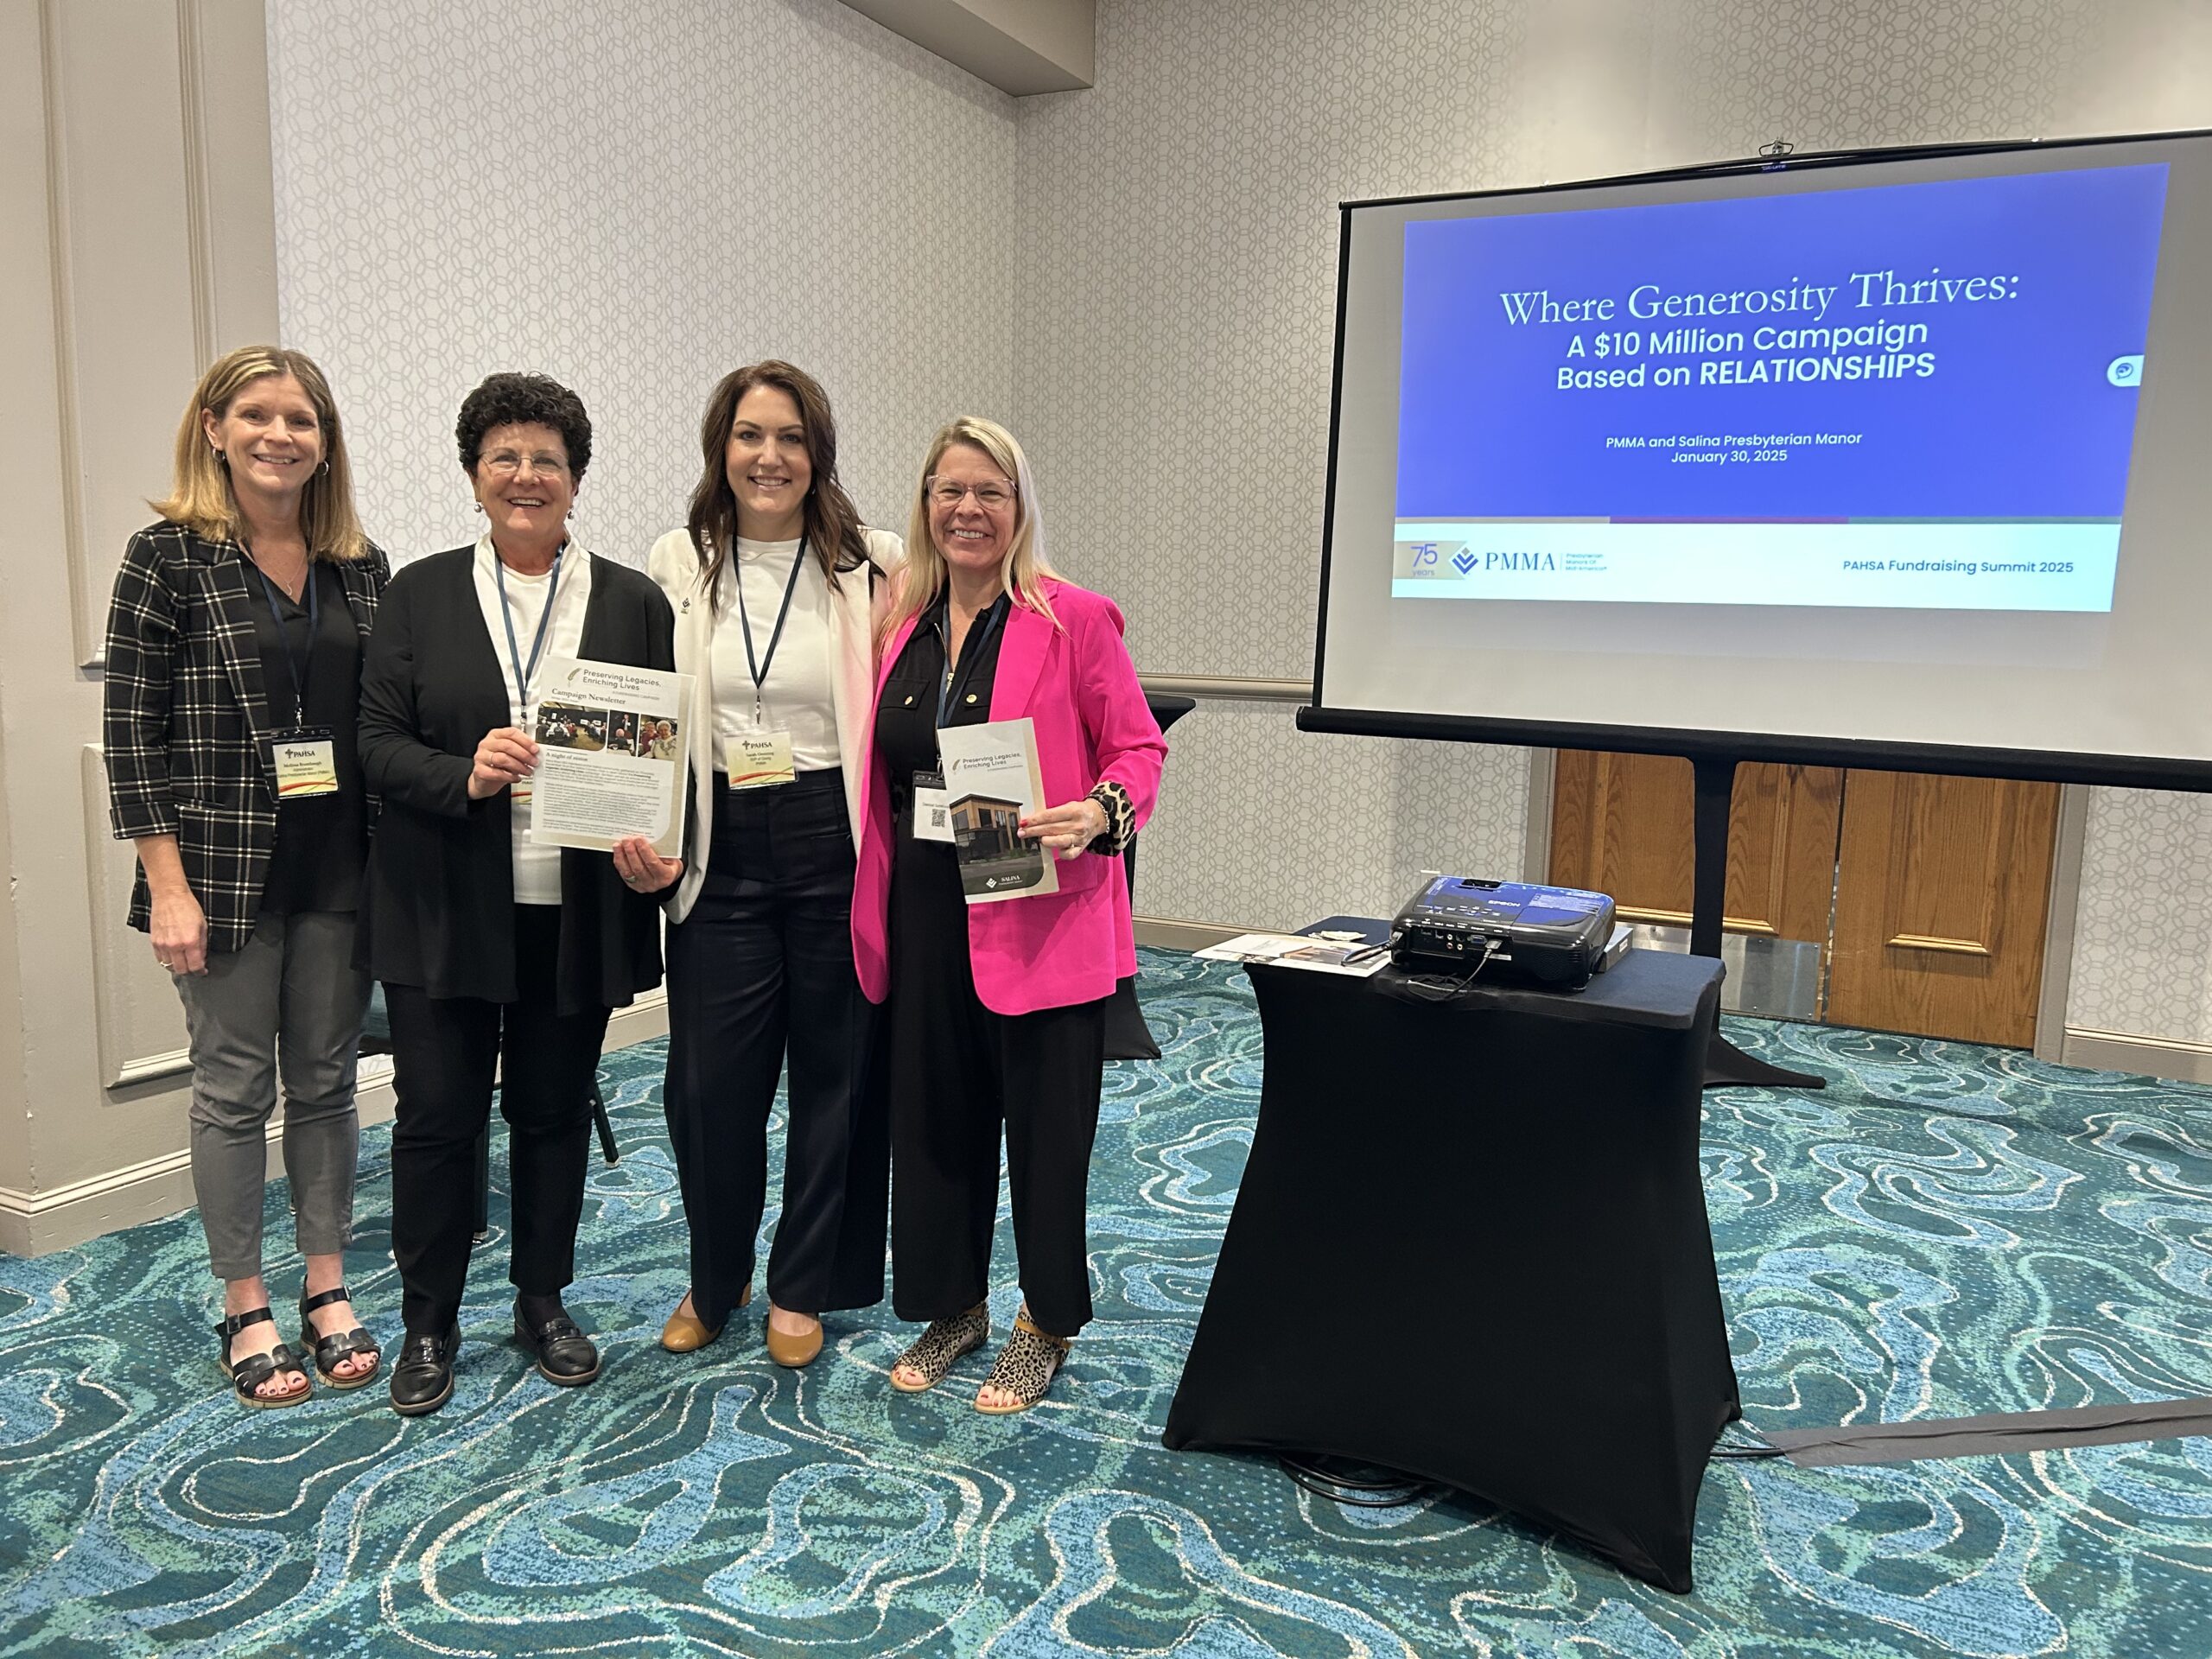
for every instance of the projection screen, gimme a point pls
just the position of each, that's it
(1899, 460)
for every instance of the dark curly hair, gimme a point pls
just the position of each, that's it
(524, 399)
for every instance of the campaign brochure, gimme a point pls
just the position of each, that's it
(991, 781)
(610, 756)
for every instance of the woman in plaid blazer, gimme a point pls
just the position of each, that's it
(234, 650)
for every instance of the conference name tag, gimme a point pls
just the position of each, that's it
(758, 760)
(932, 807)
(307, 763)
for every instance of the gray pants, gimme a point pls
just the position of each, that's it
(289, 1000)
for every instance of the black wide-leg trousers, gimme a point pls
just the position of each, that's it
(759, 972)
(445, 1052)
(959, 1075)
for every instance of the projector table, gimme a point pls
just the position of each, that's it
(1470, 1244)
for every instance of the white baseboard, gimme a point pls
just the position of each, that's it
(2148, 1056)
(35, 1224)
(1184, 936)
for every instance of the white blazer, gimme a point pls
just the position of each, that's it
(674, 564)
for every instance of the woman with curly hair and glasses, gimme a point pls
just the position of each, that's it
(495, 953)
(233, 686)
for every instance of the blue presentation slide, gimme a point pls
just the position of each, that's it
(1915, 395)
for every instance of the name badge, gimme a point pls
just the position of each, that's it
(932, 808)
(758, 760)
(307, 763)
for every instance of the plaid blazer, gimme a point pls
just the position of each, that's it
(186, 714)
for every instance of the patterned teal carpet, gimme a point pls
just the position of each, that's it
(1945, 1230)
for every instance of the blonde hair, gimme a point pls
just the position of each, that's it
(1022, 574)
(200, 498)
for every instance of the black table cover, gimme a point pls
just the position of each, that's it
(1470, 1244)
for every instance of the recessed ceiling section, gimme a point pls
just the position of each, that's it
(1020, 47)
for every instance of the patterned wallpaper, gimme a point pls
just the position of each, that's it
(1141, 275)
(634, 200)
(1176, 260)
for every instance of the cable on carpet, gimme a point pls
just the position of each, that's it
(1362, 1485)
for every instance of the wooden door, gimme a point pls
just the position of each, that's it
(1942, 890)
(1621, 823)
(1940, 886)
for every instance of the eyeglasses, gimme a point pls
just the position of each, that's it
(506, 463)
(991, 493)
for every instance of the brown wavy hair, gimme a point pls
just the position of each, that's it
(833, 525)
(200, 498)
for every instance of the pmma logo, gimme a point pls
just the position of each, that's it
(1502, 559)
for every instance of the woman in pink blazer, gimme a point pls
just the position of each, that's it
(996, 1012)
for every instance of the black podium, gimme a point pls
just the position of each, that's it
(1128, 1037)
(1470, 1244)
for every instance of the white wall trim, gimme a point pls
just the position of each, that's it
(35, 1224)
(1170, 935)
(2164, 1058)
(2062, 910)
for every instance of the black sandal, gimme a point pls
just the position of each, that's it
(248, 1374)
(331, 1351)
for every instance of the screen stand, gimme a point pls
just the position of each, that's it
(1725, 1063)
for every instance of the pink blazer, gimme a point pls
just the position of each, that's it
(1093, 724)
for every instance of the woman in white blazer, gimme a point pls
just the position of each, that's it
(774, 583)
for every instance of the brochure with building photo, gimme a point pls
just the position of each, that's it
(610, 756)
(991, 780)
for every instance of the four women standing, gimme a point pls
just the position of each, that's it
(238, 679)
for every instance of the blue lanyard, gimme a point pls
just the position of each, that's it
(760, 667)
(523, 672)
(979, 635)
(284, 638)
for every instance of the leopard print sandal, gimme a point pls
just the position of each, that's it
(938, 1348)
(1026, 1365)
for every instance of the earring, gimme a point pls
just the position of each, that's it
(479, 506)
(323, 471)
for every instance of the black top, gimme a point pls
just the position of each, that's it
(905, 715)
(322, 842)
(186, 715)
(441, 902)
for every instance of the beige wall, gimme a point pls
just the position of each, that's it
(134, 190)
(1177, 255)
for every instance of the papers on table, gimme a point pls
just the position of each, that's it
(1301, 950)
(610, 756)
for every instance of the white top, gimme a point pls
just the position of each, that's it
(537, 869)
(797, 695)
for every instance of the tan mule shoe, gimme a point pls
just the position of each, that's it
(686, 1334)
(794, 1351)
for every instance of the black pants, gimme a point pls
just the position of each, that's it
(444, 1049)
(763, 967)
(958, 1073)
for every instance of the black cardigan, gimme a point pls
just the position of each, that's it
(439, 908)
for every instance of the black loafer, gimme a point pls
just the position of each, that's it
(421, 1380)
(565, 1355)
